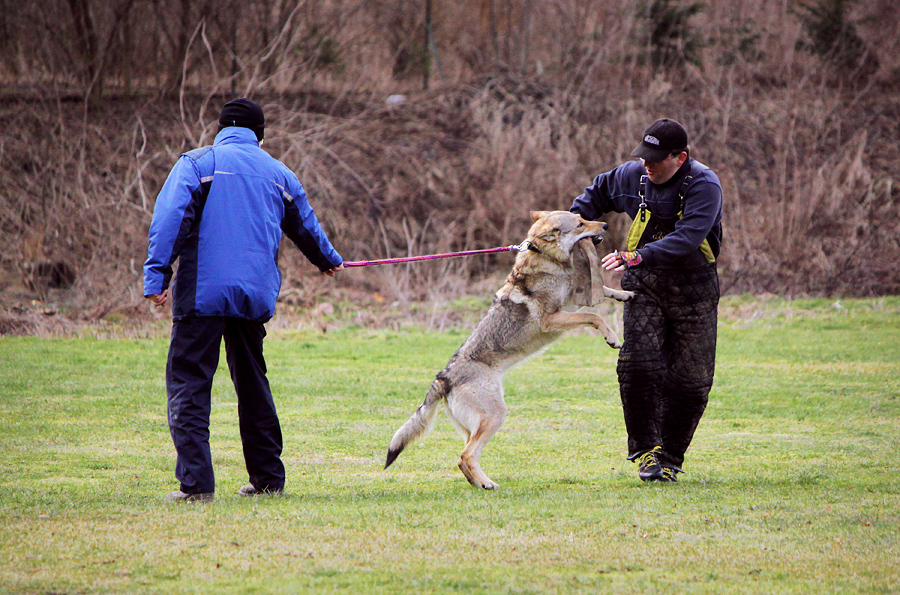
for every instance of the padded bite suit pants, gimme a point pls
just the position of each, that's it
(193, 358)
(668, 356)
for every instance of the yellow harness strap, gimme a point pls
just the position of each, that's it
(639, 225)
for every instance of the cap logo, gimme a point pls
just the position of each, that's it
(651, 139)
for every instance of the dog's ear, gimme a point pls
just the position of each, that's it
(535, 215)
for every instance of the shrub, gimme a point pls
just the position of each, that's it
(668, 37)
(832, 35)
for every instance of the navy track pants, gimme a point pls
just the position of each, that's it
(193, 358)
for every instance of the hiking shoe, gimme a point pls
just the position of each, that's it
(649, 468)
(250, 490)
(179, 496)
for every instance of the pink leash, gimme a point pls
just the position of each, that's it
(526, 245)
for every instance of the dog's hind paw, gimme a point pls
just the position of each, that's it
(486, 485)
(477, 477)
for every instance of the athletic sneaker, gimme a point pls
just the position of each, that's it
(249, 490)
(649, 468)
(179, 496)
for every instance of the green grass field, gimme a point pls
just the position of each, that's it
(791, 486)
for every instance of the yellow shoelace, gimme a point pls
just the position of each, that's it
(649, 457)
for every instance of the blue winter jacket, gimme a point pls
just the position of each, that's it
(618, 190)
(222, 212)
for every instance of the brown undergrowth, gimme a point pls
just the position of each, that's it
(807, 162)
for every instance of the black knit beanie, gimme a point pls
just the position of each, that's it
(244, 113)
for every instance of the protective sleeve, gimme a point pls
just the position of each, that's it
(302, 227)
(172, 220)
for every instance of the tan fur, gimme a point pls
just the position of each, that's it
(526, 316)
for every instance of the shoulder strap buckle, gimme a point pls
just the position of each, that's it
(682, 192)
(642, 191)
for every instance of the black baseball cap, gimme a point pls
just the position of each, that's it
(245, 114)
(660, 139)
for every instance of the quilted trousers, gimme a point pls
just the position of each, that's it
(667, 361)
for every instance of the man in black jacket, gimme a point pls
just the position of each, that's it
(667, 360)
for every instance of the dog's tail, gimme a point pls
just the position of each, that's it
(419, 425)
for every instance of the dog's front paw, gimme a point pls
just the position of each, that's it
(618, 294)
(614, 343)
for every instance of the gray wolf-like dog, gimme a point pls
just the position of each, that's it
(526, 316)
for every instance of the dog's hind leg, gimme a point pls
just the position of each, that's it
(468, 459)
(477, 414)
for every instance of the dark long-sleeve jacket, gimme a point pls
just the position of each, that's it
(618, 191)
(222, 212)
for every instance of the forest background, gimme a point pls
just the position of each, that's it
(422, 126)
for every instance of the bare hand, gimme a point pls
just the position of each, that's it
(159, 299)
(619, 261)
(612, 262)
(331, 272)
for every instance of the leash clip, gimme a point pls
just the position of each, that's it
(525, 245)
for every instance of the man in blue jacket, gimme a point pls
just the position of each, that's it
(668, 355)
(222, 213)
